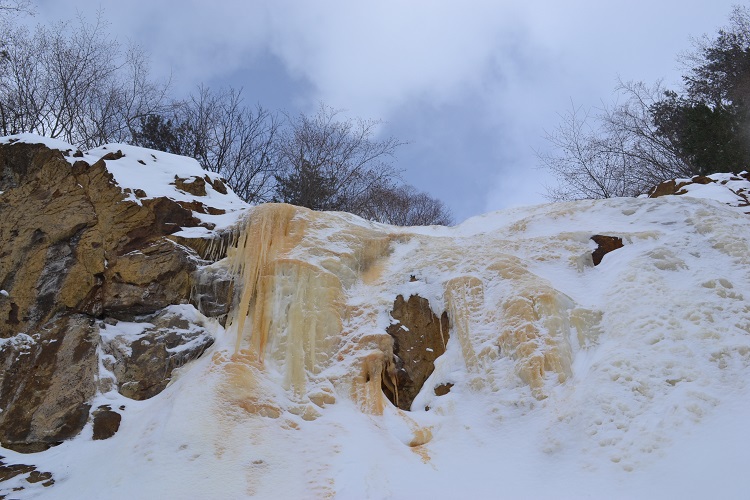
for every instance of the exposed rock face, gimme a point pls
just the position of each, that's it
(76, 247)
(605, 244)
(106, 422)
(443, 389)
(142, 365)
(32, 475)
(212, 290)
(419, 338)
(195, 185)
(46, 381)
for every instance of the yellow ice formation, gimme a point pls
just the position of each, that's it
(313, 289)
(535, 326)
(293, 310)
(532, 324)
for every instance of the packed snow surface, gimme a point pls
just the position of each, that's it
(625, 380)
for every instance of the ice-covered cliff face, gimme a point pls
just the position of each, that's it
(317, 289)
(628, 378)
(563, 379)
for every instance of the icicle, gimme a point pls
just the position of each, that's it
(266, 235)
(462, 305)
(442, 337)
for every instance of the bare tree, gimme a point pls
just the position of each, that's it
(616, 151)
(655, 134)
(73, 82)
(115, 110)
(404, 205)
(332, 163)
(239, 142)
(8, 10)
(215, 127)
(15, 6)
(22, 92)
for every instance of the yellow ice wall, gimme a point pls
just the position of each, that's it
(293, 266)
(534, 325)
(298, 313)
(268, 233)
(313, 286)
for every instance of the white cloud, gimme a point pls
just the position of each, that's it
(491, 70)
(377, 55)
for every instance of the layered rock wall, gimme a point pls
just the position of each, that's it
(76, 249)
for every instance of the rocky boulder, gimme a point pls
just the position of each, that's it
(47, 378)
(20, 477)
(106, 422)
(732, 189)
(605, 244)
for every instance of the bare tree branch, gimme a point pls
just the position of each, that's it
(616, 151)
(72, 81)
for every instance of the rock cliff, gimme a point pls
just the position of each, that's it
(81, 252)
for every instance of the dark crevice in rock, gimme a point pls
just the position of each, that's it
(419, 338)
(605, 244)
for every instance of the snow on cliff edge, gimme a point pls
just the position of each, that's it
(147, 173)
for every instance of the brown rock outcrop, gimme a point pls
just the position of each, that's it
(76, 248)
(46, 381)
(673, 186)
(419, 338)
(605, 244)
(72, 242)
(443, 389)
(106, 422)
(143, 366)
(737, 191)
(10, 471)
(194, 185)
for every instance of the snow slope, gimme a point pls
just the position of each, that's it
(630, 379)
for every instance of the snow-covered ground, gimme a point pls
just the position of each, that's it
(645, 390)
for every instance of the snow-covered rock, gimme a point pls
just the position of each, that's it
(80, 244)
(731, 189)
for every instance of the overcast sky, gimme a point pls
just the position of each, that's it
(472, 85)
